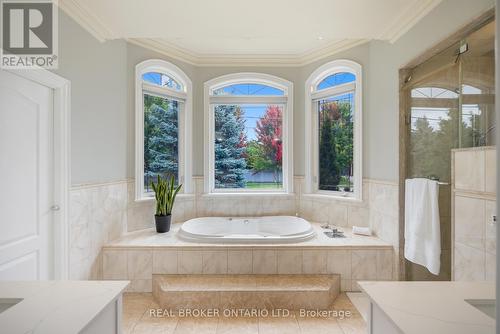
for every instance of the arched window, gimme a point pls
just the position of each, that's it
(248, 127)
(333, 104)
(163, 125)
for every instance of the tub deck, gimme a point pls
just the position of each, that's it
(150, 239)
(137, 256)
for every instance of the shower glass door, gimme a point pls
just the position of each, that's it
(449, 104)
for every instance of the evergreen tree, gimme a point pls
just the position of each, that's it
(329, 171)
(423, 150)
(160, 137)
(230, 162)
(344, 134)
(240, 118)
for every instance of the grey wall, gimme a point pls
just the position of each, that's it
(102, 78)
(382, 134)
(98, 103)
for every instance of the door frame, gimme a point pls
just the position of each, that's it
(62, 166)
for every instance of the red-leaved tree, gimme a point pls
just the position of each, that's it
(269, 135)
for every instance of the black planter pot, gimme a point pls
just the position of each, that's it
(162, 223)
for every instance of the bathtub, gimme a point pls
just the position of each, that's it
(271, 229)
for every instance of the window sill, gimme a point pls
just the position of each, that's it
(248, 194)
(336, 197)
(147, 199)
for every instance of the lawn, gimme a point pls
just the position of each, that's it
(263, 185)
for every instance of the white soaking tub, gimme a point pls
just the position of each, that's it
(270, 229)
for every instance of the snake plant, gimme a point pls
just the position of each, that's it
(165, 193)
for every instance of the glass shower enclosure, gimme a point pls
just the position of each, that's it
(449, 103)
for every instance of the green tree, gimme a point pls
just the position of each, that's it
(329, 170)
(431, 146)
(257, 159)
(343, 132)
(266, 153)
(230, 162)
(422, 148)
(160, 137)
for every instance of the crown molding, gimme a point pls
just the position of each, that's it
(407, 19)
(96, 28)
(328, 50)
(400, 25)
(280, 60)
(86, 20)
(165, 48)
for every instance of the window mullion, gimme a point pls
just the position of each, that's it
(163, 92)
(248, 100)
(337, 90)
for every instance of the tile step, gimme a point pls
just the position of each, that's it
(245, 291)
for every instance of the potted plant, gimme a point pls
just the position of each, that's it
(165, 192)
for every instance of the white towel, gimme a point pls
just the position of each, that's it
(361, 230)
(422, 230)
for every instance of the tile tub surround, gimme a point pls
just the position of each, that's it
(292, 292)
(138, 255)
(473, 205)
(337, 211)
(101, 212)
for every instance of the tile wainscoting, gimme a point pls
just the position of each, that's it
(98, 214)
(383, 208)
(103, 212)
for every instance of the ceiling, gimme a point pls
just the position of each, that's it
(275, 32)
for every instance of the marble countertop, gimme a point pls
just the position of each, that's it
(55, 306)
(433, 307)
(149, 238)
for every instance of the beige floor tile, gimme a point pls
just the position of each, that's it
(136, 303)
(148, 325)
(238, 325)
(342, 302)
(128, 323)
(353, 325)
(196, 326)
(319, 326)
(271, 325)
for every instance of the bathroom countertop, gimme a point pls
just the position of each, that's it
(55, 306)
(149, 238)
(433, 307)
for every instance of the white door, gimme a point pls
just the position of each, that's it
(26, 179)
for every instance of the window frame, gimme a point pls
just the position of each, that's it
(184, 97)
(286, 100)
(312, 95)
